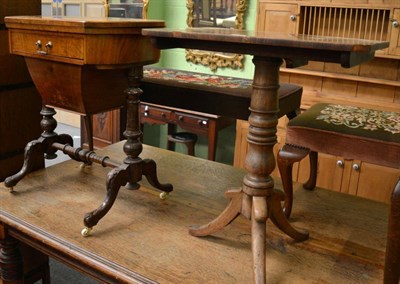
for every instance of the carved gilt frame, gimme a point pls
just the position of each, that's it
(144, 11)
(213, 59)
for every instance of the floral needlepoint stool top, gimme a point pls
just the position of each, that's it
(351, 120)
(355, 117)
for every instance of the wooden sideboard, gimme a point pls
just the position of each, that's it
(108, 126)
(199, 123)
(375, 84)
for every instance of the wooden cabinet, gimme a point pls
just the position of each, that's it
(199, 123)
(352, 177)
(394, 47)
(277, 17)
(375, 84)
(20, 103)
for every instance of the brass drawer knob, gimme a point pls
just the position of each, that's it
(48, 46)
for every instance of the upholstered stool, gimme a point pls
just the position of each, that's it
(369, 135)
(186, 138)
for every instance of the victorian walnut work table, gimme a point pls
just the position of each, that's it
(258, 199)
(87, 66)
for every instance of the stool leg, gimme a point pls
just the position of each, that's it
(312, 180)
(392, 259)
(190, 148)
(170, 144)
(287, 156)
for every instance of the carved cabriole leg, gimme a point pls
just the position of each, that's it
(392, 259)
(116, 178)
(40, 146)
(287, 156)
(11, 266)
(312, 180)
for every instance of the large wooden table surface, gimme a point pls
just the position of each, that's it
(143, 237)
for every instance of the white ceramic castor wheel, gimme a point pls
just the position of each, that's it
(86, 231)
(163, 195)
(84, 165)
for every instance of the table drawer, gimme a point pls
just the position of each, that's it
(46, 44)
(186, 120)
(151, 112)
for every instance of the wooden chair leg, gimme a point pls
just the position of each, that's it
(312, 180)
(89, 130)
(287, 156)
(392, 259)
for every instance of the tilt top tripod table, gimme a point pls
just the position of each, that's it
(257, 199)
(82, 65)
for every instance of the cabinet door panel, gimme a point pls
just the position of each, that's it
(394, 47)
(276, 18)
(329, 174)
(377, 182)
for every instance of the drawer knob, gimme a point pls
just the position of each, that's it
(163, 115)
(180, 118)
(395, 23)
(201, 122)
(340, 163)
(48, 46)
(356, 167)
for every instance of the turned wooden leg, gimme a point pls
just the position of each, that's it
(392, 260)
(312, 180)
(287, 156)
(133, 145)
(89, 130)
(259, 218)
(11, 266)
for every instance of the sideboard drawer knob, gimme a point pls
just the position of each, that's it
(340, 163)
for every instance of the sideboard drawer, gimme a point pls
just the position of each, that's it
(184, 119)
(150, 112)
(40, 44)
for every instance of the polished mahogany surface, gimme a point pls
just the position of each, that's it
(318, 48)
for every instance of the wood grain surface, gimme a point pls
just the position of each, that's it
(144, 239)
